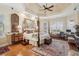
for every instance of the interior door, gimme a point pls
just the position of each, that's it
(14, 27)
(14, 22)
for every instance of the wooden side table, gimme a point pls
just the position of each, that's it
(16, 38)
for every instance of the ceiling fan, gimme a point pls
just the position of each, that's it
(48, 8)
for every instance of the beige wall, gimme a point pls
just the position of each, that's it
(6, 12)
(77, 15)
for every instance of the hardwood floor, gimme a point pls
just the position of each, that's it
(20, 50)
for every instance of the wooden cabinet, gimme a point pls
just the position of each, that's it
(16, 38)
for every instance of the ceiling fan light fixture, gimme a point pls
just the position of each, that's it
(48, 8)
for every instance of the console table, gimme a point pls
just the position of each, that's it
(15, 38)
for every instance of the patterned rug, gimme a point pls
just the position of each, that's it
(4, 49)
(73, 53)
(56, 48)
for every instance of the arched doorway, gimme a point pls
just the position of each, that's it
(14, 22)
(14, 28)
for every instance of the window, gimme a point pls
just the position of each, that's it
(71, 25)
(57, 26)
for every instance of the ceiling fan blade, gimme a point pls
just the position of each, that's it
(49, 9)
(51, 6)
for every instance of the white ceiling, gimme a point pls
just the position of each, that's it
(37, 8)
(59, 9)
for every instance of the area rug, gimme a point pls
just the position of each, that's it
(73, 53)
(56, 48)
(4, 49)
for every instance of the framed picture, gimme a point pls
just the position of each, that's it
(1, 26)
(27, 23)
(1, 29)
